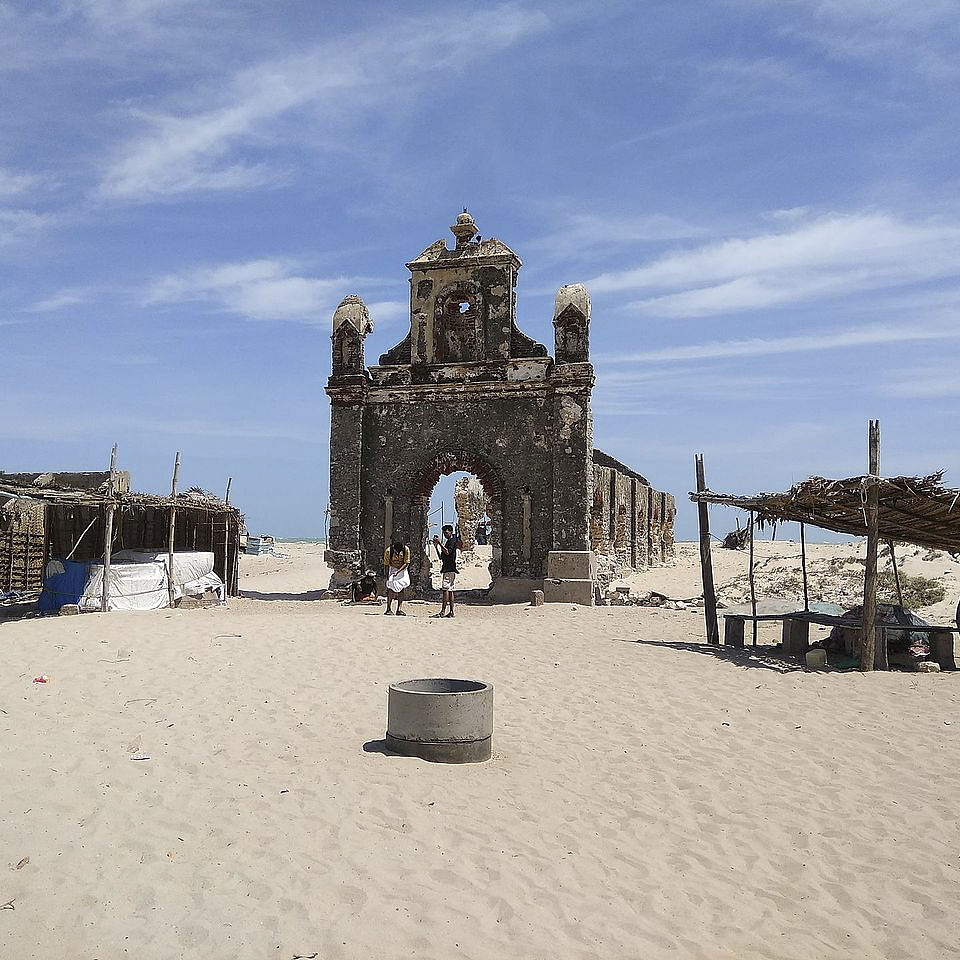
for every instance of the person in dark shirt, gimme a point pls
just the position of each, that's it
(447, 552)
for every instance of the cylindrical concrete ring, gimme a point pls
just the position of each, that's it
(443, 720)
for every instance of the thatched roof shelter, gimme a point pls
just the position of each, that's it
(917, 510)
(74, 513)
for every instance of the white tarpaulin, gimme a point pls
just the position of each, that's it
(133, 586)
(138, 580)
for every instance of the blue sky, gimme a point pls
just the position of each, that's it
(761, 195)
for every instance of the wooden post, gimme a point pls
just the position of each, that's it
(871, 653)
(896, 573)
(108, 533)
(753, 586)
(706, 561)
(173, 518)
(803, 567)
(227, 540)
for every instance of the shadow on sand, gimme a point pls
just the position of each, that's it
(308, 595)
(380, 746)
(762, 658)
(13, 612)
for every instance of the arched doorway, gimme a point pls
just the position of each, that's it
(422, 525)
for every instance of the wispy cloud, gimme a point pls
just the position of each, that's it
(834, 255)
(891, 33)
(807, 343)
(218, 144)
(927, 382)
(68, 297)
(387, 313)
(256, 289)
(13, 183)
(18, 225)
(582, 234)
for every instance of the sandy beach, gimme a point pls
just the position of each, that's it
(648, 797)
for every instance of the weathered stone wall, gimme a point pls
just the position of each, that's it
(494, 438)
(470, 501)
(467, 390)
(621, 527)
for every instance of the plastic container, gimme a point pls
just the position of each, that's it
(816, 659)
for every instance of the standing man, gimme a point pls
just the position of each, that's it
(447, 552)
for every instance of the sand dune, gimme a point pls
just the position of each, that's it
(648, 797)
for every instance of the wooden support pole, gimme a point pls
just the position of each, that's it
(803, 567)
(228, 558)
(753, 586)
(173, 519)
(108, 533)
(870, 653)
(706, 561)
(896, 573)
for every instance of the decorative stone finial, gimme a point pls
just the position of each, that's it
(575, 294)
(464, 229)
(354, 311)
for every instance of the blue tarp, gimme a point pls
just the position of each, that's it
(66, 587)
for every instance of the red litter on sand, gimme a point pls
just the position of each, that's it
(43, 678)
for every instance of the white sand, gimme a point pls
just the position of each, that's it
(648, 797)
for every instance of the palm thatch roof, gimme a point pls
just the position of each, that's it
(194, 498)
(917, 510)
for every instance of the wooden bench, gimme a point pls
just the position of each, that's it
(944, 640)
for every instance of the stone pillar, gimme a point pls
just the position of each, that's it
(420, 556)
(669, 521)
(527, 517)
(387, 521)
(572, 457)
(343, 551)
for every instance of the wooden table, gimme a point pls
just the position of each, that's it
(944, 640)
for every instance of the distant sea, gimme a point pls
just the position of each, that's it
(299, 539)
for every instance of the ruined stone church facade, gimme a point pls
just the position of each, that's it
(467, 390)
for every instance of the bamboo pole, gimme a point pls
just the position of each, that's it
(803, 567)
(706, 561)
(227, 566)
(173, 519)
(108, 533)
(753, 586)
(870, 654)
(896, 573)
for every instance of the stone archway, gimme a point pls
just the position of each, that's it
(442, 465)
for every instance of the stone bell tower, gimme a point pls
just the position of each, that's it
(463, 306)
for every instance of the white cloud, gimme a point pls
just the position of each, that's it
(578, 234)
(12, 184)
(256, 289)
(194, 148)
(68, 297)
(928, 382)
(832, 256)
(873, 334)
(921, 34)
(386, 312)
(18, 225)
